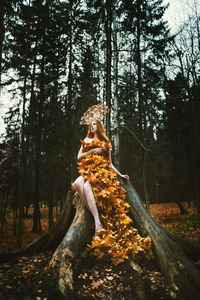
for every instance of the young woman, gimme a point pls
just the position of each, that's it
(98, 187)
(96, 132)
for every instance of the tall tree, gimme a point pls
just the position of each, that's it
(108, 30)
(115, 86)
(2, 30)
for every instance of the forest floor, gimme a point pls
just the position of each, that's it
(27, 277)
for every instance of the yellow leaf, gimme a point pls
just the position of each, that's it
(127, 220)
(111, 189)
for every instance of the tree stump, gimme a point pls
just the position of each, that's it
(173, 255)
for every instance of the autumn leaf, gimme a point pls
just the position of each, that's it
(96, 284)
(93, 180)
(28, 271)
(111, 189)
(103, 193)
(127, 220)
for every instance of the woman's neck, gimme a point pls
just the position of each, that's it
(96, 137)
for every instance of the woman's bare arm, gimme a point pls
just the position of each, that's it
(114, 169)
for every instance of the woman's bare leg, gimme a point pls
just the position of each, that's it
(79, 185)
(92, 205)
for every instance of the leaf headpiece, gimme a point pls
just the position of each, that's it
(95, 112)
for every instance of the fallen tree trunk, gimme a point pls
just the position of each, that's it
(180, 272)
(52, 238)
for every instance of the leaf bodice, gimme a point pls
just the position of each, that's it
(94, 165)
(96, 144)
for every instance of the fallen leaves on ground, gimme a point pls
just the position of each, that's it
(8, 240)
(26, 277)
(96, 280)
(100, 280)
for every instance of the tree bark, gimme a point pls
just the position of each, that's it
(116, 101)
(69, 100)
(32, 115)
(139, 66)
(36, 215)
(3, 208)
(22, 170)
(2, 30)
(50, 202)
(66, 258)
(144, 179)
(179, 271)
(108, 30)
(140, 288)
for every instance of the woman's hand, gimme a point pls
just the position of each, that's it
(125, 177)
(98, 150)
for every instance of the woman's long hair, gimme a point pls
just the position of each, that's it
(100, 132)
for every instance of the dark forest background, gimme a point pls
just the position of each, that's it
(57, 58)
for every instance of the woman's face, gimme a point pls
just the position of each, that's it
(93, 127)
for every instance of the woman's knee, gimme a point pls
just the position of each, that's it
(79, 182)
(87, 186)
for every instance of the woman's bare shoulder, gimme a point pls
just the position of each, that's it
(87, 139)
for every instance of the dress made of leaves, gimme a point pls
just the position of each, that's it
(121, 240)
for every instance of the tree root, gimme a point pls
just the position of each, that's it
(179, 271)
(67, 255)
(138, 277)
(52, 238)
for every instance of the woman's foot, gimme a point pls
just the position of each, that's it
(99, 231)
